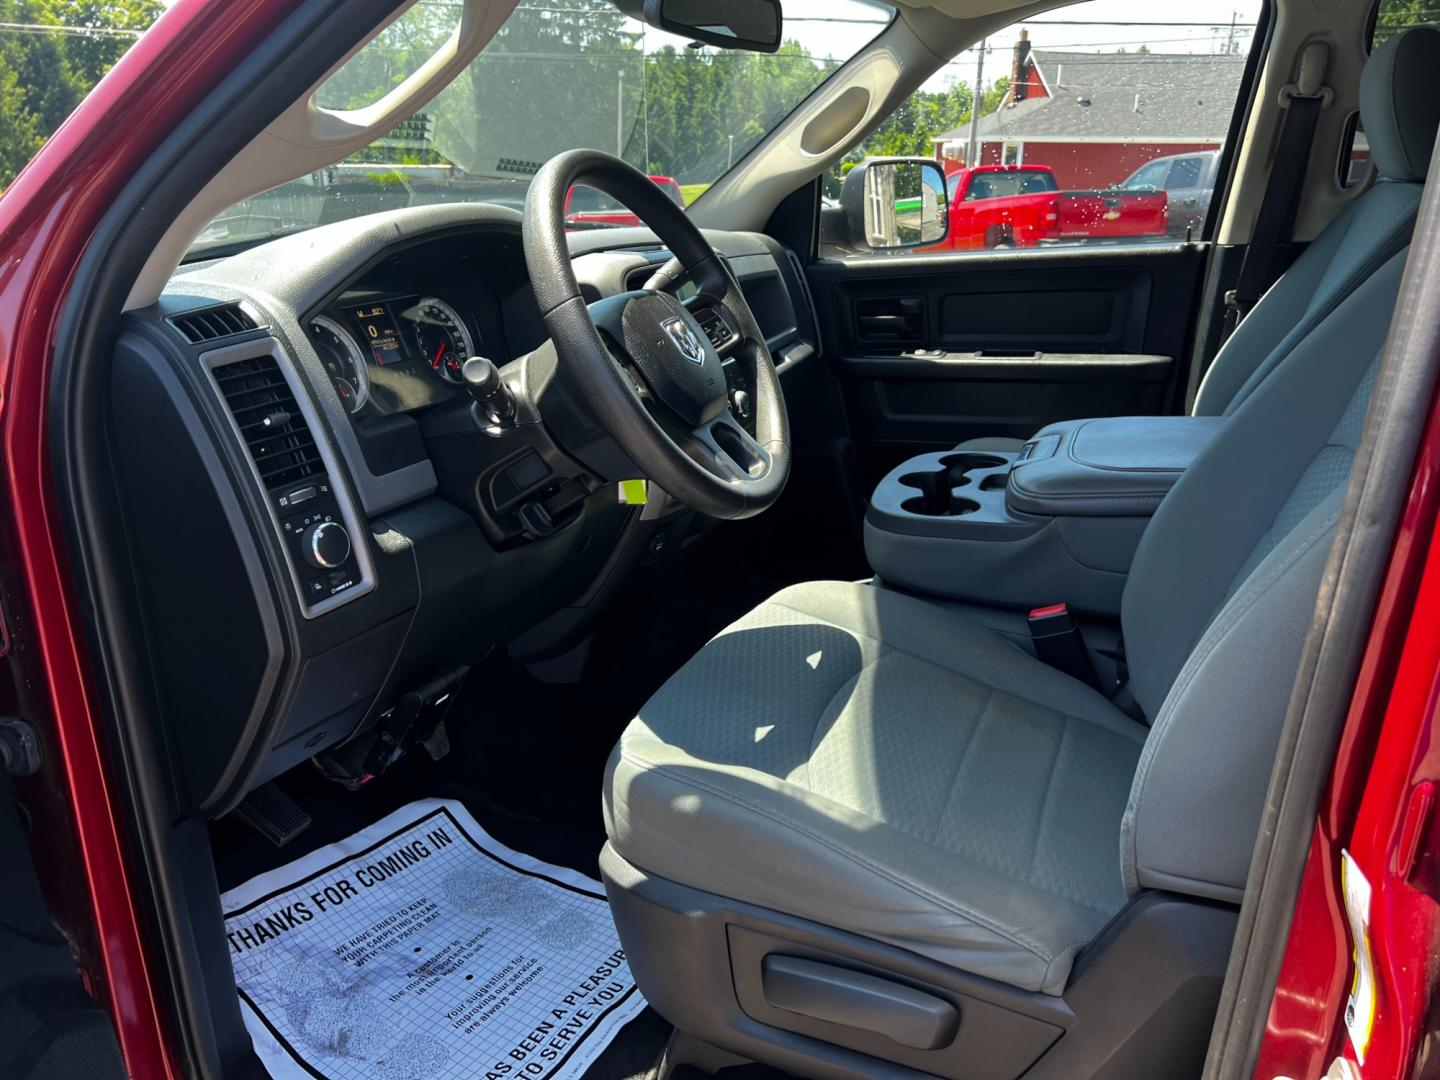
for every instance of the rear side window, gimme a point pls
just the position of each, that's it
(1354, 164)
(1148, 176)
(998, 185)
(1185, 173)
(1395, 16)
(1107, 105)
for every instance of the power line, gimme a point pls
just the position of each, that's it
(71, 31)
(1115, 22)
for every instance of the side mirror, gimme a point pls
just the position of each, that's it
(729, 24)
(895, 203)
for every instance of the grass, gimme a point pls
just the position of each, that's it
(691, 192)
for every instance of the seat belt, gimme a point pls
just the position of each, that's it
(1302, 101)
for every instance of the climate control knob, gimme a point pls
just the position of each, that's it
(326, 545)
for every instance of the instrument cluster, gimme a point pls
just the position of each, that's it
(388, 353)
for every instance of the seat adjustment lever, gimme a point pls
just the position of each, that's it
(854, 999)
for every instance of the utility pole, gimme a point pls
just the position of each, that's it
(620, 115)
(730, 157)
(972, 145)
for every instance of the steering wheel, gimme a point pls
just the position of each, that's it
(650, 368)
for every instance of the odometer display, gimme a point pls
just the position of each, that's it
(377, 330)
(443, 341)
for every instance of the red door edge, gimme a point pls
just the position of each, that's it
(47, 219)
(1389, 747)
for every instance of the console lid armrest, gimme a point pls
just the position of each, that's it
(1113, 467)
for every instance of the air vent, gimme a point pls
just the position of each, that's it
(209, 324)
(270, 421)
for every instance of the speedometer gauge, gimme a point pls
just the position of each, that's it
(344, 363)
(442, 337)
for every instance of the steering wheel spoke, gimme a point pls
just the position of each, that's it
(730, 452)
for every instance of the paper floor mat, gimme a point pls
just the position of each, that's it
(423, 948)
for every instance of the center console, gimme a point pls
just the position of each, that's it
(1058, 521)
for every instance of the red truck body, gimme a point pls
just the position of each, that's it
(1000, 206)
(587, 208)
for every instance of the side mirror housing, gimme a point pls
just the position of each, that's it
(891, 204)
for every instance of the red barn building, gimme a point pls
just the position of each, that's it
(1095, 118)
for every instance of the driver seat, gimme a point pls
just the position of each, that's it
(860, 834)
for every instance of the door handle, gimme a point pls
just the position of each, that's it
(882, 323)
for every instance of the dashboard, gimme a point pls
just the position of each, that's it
(354, 536)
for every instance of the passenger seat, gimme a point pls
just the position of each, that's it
(1399, 116)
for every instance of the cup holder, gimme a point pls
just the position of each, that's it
(995, 482)
(937, 496)
(941, 505)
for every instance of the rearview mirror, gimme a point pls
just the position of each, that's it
(896, 203)
(729, 24)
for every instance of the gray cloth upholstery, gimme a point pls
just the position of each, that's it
(1399, 112)
(1216, 732)
(1198, 793)
(1204, 538)
(1398, 104)
(1365, 235)
(878, 763)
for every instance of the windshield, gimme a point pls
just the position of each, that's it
(555, 77)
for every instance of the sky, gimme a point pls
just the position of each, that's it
(839, 28)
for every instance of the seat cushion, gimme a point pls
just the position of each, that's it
(877, 763)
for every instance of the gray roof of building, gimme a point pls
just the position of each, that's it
(1162, 96)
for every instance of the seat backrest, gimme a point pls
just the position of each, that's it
(1399, 110)
(1221, 595)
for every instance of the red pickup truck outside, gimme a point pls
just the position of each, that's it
(1005, 206)
(586, 208)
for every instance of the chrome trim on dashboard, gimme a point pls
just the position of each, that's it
(339, 487)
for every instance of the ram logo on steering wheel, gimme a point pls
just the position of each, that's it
(685, 339)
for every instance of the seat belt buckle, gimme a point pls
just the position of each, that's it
(1059, 643)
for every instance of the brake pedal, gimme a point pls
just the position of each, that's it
(273, 814)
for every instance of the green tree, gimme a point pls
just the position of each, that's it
(44, 75)
(20, 134)
(500, 114)
(1397, 15)
(912, 129)
(704, 108)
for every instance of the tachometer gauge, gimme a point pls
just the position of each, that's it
(344, 362)
(442, 337)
